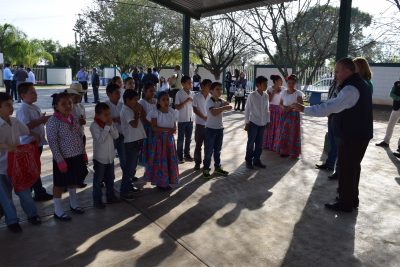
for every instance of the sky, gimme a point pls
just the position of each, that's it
(54, 19)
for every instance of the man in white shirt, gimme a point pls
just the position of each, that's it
(31, 76)
(7, 78)
(256, 117)
(183, 103)
(199, 108)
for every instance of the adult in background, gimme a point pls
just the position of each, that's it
(196, 81)
(175, 84)
(20, 76)
(352, 124)
(14, 93)
(7, 78)
(155, 73)
(140, 79)
(362, 68)
(95, 85)
(31, 76)
(240, 95)
(228, 85)
(150, 77)
(82, 76)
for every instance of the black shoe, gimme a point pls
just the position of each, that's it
(197, 167)
(323, 167)
(337, 206)
(334, 176)
(82, 185)
(249, 165)
(189, 158)
(64, 217)
(181, 161)
(260, 165)
(43, 197)
(99, 205)
(35, 220)
(15, 228)
(77, 210)
(382, 144)
(131, 194)
(396, 154)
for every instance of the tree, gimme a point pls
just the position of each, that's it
(9, 36)
(217, 43)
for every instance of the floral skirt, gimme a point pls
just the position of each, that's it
(289, 139)
(162, 163)
(271, 133)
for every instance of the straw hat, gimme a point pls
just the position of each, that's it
(75, 88)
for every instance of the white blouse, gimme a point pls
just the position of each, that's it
(289, 99)
(164, 120)
(148, 107)
(276, 99)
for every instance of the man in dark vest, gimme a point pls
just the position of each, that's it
(352, 125)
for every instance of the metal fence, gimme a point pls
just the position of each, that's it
(249, 75)
(320, 74)
(40, 74)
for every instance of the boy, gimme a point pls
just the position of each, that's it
(129, 83)
(214, 132)
(256, 117)
(114, 95)
(11, 130)
(104, 133)
(199, 108)
(32, 116)
(183, 103)
(134, 133)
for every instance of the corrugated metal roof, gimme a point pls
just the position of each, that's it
(204, 8)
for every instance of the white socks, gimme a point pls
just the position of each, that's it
(57, 206)
(72, 198)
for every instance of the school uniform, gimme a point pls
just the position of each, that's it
(25, 114)
(271, 133)
(10, 134)
(257, 117)
(103, 159)
(119, 143)
(162, 165)
(199, 102)
(133, 140)
(185, 124)
(148, 107)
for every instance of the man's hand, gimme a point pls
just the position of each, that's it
(246, 127)
(297, 107)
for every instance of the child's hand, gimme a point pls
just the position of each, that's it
(62, 166)
(189, 99)
(109, 122)
(44, 118)
(228, 107)
(82, 120)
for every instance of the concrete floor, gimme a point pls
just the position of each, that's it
(272, 217)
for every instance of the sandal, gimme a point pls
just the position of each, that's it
(64, 217)
(77, 210)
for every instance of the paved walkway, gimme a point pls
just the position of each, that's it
(272, 217)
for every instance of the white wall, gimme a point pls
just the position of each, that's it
(383, 79)
(59, 76)
(109, 73)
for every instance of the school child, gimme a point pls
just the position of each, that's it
(69, 156)
(148, 102)
(214, 132)
(289, 142)
(11, 130)
(199, 108)
(116, 80)
(162, 165)
(134, 134)
(271, 133)
(183, 103)
(78, 111)
(31, 115)
(114, 95)
(104, 133)
(129, 83)
(256, 117)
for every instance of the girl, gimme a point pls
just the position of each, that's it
(162, 165)
(148, 103)
(116, 80)
(69, 155)
(289, 142)
(272, 129)
(362, 68)
(164, 85)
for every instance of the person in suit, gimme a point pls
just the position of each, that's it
(95, 85)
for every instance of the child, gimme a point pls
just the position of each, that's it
(148, 103)
(104, 133)
(183, 103)
(134, 133)
(69, 156)
(32, 116)
(116, 80)
(11, 130)
(214, 132)
(271, 133)
(129, 84)
(114, 95)
(162, 166)
(289, 142)
(256, 116)
(78, 111)
(199, 108)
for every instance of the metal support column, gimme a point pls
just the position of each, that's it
(344, 29)
(185, 44)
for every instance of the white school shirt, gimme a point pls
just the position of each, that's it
(276, 99)
(78, 110)
(214, 122)
(103, 142)
(186, 112)
(31, 78)
(131, 134)
(199, 101)
(10, 134)
(27, 113)
(164, 120)
(289, 99)
(115, 111)
(257, 108)
(147, 106)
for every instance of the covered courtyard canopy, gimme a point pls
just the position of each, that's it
(204, 8)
